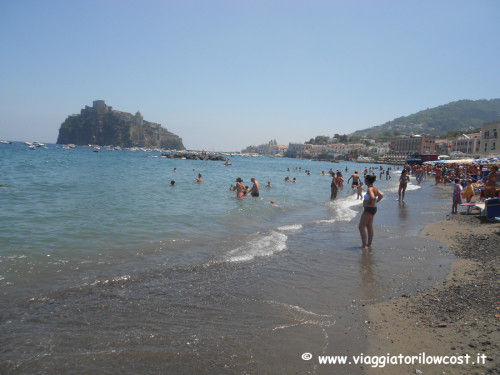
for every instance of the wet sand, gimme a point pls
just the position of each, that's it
(460, 316)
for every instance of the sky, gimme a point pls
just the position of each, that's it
(227, 74)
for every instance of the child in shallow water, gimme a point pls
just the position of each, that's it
(360, 191)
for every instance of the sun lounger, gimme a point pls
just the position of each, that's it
(480, 206)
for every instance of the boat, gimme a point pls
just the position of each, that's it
(6, 142)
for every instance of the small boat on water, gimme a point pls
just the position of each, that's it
(6, 142)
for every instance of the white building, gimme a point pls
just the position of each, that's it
(489, 140)
(468, 144)
(297, 149)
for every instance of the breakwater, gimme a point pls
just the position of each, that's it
(193, 156)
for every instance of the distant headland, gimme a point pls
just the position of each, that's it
(102, 125)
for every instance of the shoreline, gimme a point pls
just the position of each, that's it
(459, 316)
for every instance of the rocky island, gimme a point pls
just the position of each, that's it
(102, 125)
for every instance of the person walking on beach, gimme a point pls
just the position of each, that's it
(255, 190)
(403, 183)
(370, 200)
(457, 196)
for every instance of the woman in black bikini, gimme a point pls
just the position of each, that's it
(403, 183)
(369, 210)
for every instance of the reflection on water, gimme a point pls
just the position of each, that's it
(402, 211)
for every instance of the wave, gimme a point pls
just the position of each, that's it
(344, 209)
(297, 309)
(259, 246)
(410, 186)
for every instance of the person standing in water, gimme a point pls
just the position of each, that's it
(403, 184)
(334, 186)
(239, 187)
(355, 179)
(255, 190)
(340, 180)
(370, 200)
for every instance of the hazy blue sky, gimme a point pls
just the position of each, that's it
(231, 73)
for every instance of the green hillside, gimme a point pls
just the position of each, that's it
(462, 115)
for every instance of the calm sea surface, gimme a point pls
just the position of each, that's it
(106, 268)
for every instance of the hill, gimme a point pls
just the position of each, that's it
(101, 125)
(462, 115)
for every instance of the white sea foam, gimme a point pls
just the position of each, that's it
(413, 187)
(409, 187)
(290, 228)
(259, 246)
(345, 209)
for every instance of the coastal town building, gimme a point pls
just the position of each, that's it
(468, 144)
(414, 144)
(297, 149)
(280, 150)
(380, 148)
(489, 140)
(271, 148)
(443, 147)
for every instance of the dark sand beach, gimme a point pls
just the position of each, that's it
(460, 316)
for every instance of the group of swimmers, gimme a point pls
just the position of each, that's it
(242, 190)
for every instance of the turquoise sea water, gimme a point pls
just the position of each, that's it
(104, 265)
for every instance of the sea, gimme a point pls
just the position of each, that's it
(105, 267)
